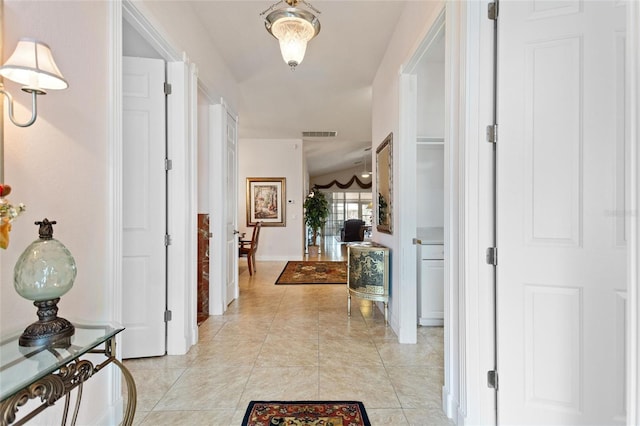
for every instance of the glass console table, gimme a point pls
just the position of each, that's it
(52, 372)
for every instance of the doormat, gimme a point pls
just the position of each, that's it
(305, 272)
(308, 413)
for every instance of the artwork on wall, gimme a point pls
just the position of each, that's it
(265, 204)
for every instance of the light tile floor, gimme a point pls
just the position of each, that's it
(293, 343)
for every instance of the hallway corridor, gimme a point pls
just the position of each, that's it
(293, 342)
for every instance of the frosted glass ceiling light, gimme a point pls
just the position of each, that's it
(293, 27)
(365, 173)
(31, 65)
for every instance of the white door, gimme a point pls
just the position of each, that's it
(231, 195)
(561, 267)
(223, 164)
(144, 217)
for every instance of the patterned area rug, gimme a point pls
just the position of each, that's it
(307, 413)
(296, 272)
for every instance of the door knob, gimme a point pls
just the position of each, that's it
(235, 231)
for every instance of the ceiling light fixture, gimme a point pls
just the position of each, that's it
(293, 27)
(365, 173)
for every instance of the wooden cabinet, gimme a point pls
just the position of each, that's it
(431, 289)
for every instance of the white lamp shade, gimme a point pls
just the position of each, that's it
(32, 65)
(293, 34)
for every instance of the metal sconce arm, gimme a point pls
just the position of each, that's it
(34, 109)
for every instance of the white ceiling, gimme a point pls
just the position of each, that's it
(329, 91)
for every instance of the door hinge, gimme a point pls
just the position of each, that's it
(168, 164)
(492, 379)
(492, 256)
(167, 88)
(492, 133)
(492, 12)
(167, 240)
(167, 315)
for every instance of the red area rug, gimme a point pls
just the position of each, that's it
(307, 413)
(296, 272)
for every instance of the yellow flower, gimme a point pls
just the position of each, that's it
(8, 212)
(5, 227)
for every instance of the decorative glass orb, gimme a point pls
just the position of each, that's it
(46, 269)
(44, 272)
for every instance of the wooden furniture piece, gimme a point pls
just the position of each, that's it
(368, 274)
(249, 247)
(51, 372)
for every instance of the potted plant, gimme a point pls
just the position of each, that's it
(316, 213)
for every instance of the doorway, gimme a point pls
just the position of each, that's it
(180, 162)
(428, 168)
(144, 197)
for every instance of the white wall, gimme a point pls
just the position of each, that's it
(59, 167)
(410, 30)
(275, 158)
(43, 162)
(185, 32)
(431, 98)
(133, 44)
(430, 186)
(203, 153)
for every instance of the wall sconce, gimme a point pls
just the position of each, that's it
(31, 65)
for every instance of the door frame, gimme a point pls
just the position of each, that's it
(633, 218)
(182, 187)
(468, 331)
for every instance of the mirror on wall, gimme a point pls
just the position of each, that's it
(384, 183)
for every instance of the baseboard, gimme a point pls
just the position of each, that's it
(194, 335)
(431, 322)
(112, 414)
(278, 258)
(449, 406)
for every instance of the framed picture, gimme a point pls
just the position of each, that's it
(265, 201)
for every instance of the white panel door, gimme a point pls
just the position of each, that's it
(223, 201)
(144, 217)
(231, 196)
(561, 264)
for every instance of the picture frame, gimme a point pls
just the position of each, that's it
(265, 201)
(384, 184)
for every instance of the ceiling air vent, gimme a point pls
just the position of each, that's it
(331, 134)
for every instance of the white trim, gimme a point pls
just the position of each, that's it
(633, 236)
(148, 30)
(192, 218)
(217, 164)
(405, 168)
(451, 388)
(477, 220)
(181, 225)
(114, 199)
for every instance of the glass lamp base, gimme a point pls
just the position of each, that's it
(49, 330)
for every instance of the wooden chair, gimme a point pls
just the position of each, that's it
(249, 247)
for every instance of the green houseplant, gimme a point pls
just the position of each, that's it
(316, 213)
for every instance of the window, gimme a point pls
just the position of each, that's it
(347, 205)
